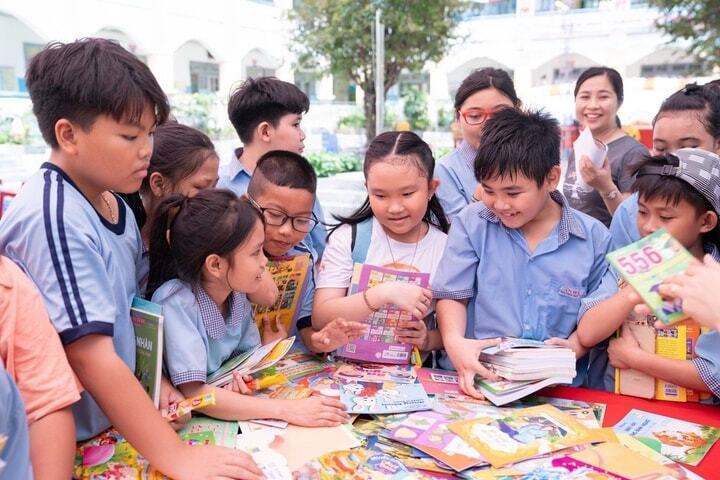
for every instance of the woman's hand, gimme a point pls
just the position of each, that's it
(598, 178)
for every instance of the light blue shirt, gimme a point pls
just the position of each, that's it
(517, 293)
(623, 227)
(13, 425)
(236, 177)
(85, 268)
(456, 173)
(198, 339)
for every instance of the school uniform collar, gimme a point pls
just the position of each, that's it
(568, 223)
(212, 318)
(467, 153)
(236, 167)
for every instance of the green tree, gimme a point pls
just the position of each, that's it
(415, 108)
(336, 36)
(696, 21)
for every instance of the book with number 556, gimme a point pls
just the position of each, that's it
(649, 261)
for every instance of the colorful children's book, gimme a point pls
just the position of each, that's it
(224, 431)
(289, 274)
(522, 434)
(615, 459)
(296, 365)
(629, 381)
(384, 397)
(637, 446)
(589, 414)
(109, 456)
(649, 261)
(147, 321)
(375, 372)
(439, 382)
(678, 440)
(429, 433)
(500, 392)
(379, 344)
(182, 408)
(677, 342)
(259, 358)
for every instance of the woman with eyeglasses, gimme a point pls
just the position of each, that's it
(480, 95)
(598, 96)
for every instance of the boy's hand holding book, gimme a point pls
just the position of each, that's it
(623, 350)
(464, 354)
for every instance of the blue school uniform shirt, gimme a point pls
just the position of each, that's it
(302, 314)
(517, 293)
(198, 339)
(456, 173)
(15, 457)
(85, 268)
(236, 177)
(623, 227)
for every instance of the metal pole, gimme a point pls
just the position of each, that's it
(379, 72)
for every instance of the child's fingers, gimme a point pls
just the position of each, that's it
(467, 384)
(332, 402)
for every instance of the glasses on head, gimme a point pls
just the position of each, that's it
(278, 218)
(478, 116)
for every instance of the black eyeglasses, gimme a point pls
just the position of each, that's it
(277, 218)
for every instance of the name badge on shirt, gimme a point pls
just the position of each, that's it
(571, 292)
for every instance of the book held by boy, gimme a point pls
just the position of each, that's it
(147, 322)
(649, 261)
(289, 274)
(380, 344)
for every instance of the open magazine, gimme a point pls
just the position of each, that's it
(379, 344)
(289, 274)
(259, 358)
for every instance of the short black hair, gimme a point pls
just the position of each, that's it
(263, 99)
(486, 78)
(667, 187)
(87, 78)
(518, 142)
(284, 169)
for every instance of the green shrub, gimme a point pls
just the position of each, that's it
(415, 108)
(327, 164)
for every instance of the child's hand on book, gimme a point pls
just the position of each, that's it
(169, 395)
(413, 332)
(464, 354)
(408, 297)
(337, 333)
(207, 462)
(239, 384)
(623, 350)
(316, 411)
(572, 343)
(273, 329)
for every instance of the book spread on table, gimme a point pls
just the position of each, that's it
(649, 261)
(254, 360)
(289, 274)
(383, 397)
(678, 440)
(147, 322)
(379, 344)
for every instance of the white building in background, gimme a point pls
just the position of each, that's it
(208, 46)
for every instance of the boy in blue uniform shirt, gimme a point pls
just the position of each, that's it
(521, 263)
(97, 106)
(283, 188)
(266, 114)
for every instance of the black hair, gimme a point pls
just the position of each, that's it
(186, 230)
(178, 152)
(613, 77)
(284, 169)
(517, 142)
(670, 188)
(486, 78)
(704, 100)
(412, 149)
(87, 78)
(263, 99)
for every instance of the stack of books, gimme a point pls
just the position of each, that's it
(525, 366)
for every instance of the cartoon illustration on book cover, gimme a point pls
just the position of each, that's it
(383, 397)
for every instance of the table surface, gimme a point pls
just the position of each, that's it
(619, 405)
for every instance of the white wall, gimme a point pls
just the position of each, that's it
(15, 33)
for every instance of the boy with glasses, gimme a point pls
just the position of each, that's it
(283, 188)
